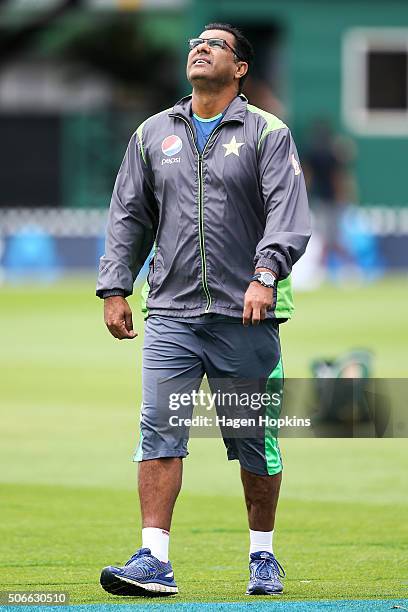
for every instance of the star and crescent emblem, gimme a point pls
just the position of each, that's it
(232, 147)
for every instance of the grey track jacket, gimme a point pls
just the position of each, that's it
(213, 216)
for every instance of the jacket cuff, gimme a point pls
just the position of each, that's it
(270, 263)
(110, 293)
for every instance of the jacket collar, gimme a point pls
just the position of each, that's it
(235, 111)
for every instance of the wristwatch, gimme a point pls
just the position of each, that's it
(266, 279)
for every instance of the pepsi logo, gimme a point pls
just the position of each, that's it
(171, 145)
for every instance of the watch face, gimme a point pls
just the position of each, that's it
(268, 279)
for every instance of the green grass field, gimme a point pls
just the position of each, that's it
(70, 396)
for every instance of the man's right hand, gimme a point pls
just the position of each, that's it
(118, 317)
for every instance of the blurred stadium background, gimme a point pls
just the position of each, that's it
(76, 79)
(78, 76)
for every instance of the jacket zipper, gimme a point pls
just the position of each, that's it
(201, 206)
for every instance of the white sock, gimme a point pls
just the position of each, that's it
(158, 541)
(260, 540)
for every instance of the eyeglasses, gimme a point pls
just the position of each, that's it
(214, 43)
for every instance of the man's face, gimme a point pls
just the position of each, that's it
(210, 64)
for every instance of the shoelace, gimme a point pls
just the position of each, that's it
(265, 569)
(146, 563)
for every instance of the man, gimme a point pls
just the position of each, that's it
(331, 188)
(216, 184)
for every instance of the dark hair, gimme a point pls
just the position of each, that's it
(242, 46)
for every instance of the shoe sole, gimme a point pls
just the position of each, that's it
(260, 591)
(124, 586)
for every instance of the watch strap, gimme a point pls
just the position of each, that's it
(258, 276)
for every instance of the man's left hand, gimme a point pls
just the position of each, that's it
(258, 299)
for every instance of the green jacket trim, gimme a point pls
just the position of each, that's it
(272, 123)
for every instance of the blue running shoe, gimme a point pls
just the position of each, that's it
(143, 574)
(264, 574)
